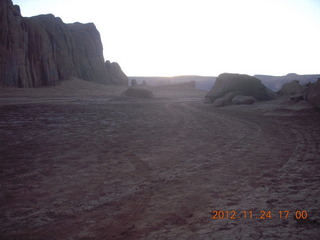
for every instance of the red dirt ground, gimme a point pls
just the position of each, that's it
(82, 163)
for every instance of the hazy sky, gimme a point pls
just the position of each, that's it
(199, 37)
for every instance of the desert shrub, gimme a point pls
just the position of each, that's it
(138, 92)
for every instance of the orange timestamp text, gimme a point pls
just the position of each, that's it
(263, 214)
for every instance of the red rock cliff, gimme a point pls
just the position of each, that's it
(42, 50)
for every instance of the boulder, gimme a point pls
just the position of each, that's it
(296, 97)
(228, 97)
(219, 102)
(291, 88)
(139, 92)
(225, 100)
(240, 84)
(42, 50)
(241, 100)
(312, 94)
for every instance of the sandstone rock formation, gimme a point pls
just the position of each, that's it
(312, 94)
(225, 100)
(291, 88)
(275, 83)
(42, 50)
(239, 84)
(243, 100)
(116, 75)
(220, 102)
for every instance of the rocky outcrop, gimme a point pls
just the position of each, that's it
(275, 83)
(243, 100)
(239, 84)
(225, 100)
(220, 102)
(312, 94)
(291, 88)
(232, 99)
(42, 50)
(116, 75)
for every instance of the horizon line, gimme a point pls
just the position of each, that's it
(196, 75)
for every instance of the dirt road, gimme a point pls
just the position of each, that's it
(156, 169)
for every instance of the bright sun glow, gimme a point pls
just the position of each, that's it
(198, 37)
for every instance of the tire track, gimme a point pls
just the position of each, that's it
(269, 150)
(123, 224)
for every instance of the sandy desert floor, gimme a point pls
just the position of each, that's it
(86, 163)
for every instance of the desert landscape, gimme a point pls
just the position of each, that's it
(89, 153)
(87, 164)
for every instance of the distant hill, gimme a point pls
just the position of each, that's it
(206, 82)
(276, 82)
(202, 82)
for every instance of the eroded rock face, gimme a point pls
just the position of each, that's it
(42, 50)
(239, 84)
(225, 100)
(220, 102)
(12, 44)
(312, 94)
(116, 75)
(243, 100)
(291, 88)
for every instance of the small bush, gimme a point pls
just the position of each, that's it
(138, 92)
